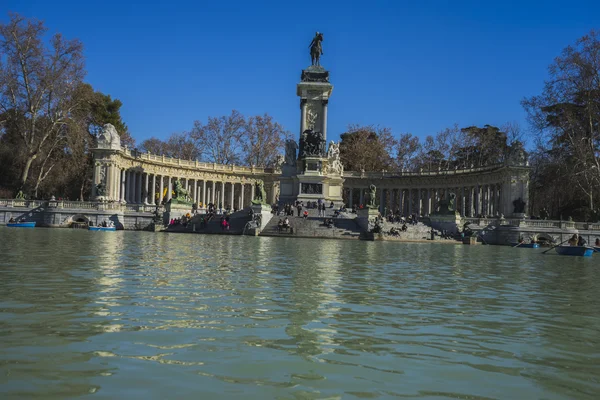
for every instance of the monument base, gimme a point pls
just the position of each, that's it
(176, 210)
(265, 213)
(364, 216)
(448, 223)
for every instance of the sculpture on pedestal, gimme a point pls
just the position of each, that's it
(181, 194)
(290, 152)
(100, 189)
(312, 144)
(372, 196)
(260, 195)
(519, 206)
(333, 157)
(109, 138)
(447, 207)
(279, 161)
(316, 49)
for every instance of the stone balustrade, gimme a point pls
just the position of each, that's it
(77, 205)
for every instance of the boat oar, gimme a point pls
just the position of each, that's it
(518, 244)
(556, 245)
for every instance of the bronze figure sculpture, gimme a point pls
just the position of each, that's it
(316, 50)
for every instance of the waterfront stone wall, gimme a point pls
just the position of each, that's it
(62, 214)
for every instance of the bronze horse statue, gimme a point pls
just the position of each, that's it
(316, 50)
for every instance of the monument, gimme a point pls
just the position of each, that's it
(368, 216)
(105, 186)
(311, 171)
(180, 204)
(261, 210)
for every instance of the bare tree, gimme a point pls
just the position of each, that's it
(37, 84)
(263, 139)
(408, 150)
(220, 140)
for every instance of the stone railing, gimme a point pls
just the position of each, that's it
(393, 174)
(77, 205)
(21, 203)
(197, 164)
(533, 223)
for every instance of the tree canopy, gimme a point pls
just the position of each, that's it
(48, 115)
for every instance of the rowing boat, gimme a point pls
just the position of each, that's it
(526, 245)
(21, 224)
(102, 228)
(581, 251)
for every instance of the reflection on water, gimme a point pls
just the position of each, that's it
(132, 314)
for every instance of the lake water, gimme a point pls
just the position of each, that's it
(155, 316)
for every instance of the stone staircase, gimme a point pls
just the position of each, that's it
(237, 222)
(344, 226)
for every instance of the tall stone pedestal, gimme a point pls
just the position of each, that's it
(316, 173)
(176, 210)
(364, 215)
(448, 223)
(265, 214)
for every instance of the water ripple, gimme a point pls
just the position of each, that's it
(132, 314)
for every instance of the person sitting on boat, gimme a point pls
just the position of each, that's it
(597, 242)
(573, 240)
(12, 221)
(581, 241)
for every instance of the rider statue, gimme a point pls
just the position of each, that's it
(316, 50)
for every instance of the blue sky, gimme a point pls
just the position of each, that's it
(415, 67)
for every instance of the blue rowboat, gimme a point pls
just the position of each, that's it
(21, 224)
(581, 251)
(526, 245)
(102, 228)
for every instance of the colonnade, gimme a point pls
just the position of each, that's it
(133, 186)
(470, 201)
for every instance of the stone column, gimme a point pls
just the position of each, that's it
(252, 192)
(324, 119)
(350, 197)
(123, 177)
(420, 203)
(361, 196)
(204, 193)
(127, 186)
(213, 187)
(428, 201)
(117, 188)
(161, 188)
(222, 195)
(302, 115)
(169, 189)
(139, 188)
(95, 180)
(409, 193)
(382, 201)
(401, 201)
(232, 196)
(153, 191)
(477, 200)
(194, 191)
(242, 196)
(114, 183)
(109, 182)
(146, 184)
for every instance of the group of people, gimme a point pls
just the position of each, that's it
(396, 231)
(578, 240)
(396, 217)
(284, 224)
